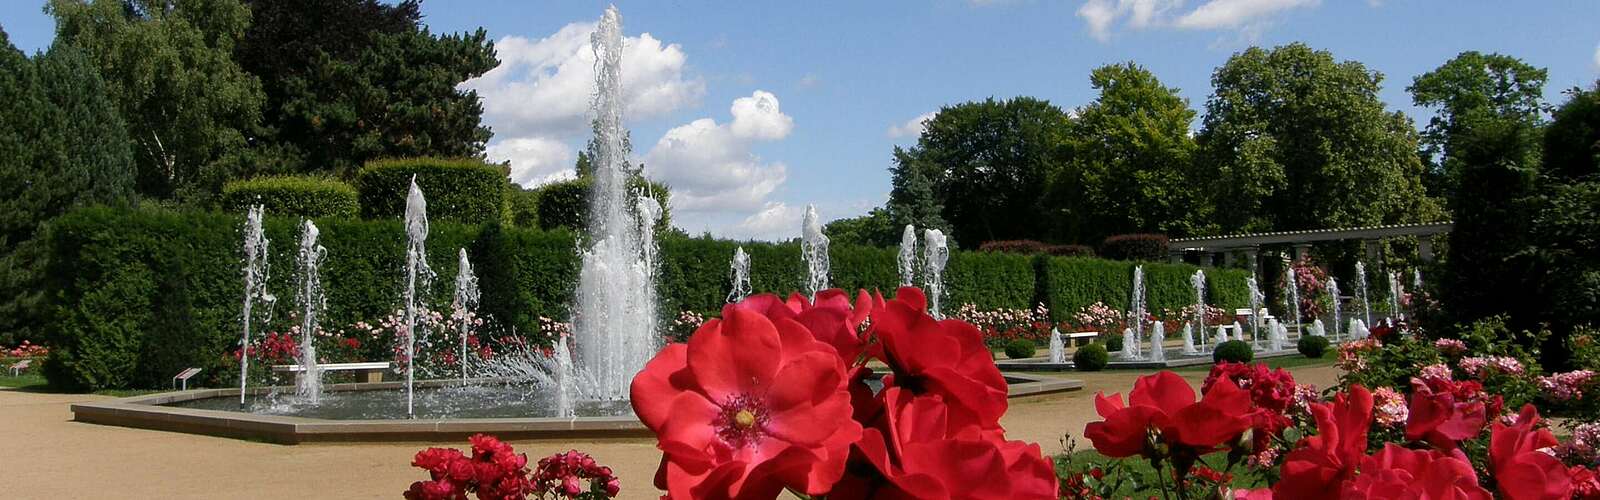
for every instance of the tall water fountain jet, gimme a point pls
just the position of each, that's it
(1333, 291)
(1198, 281)
(814, 250)
(936, 252)
(1395, 291)
(418, 276)
(1255, 316)
(739, 269)
(908, 256)
(1158, 337)
(309, 296)
(1058, 349)
(1136, 313)
(1361, 290)
(256, 273)
(614, 324)
(1293, 296)
(465, 304)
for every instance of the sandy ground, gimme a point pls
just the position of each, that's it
(44, 454)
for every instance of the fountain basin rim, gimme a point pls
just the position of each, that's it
(148, 412)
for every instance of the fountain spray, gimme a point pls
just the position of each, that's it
(1198, 281)
(256, 272)
(936, 249)
(417, 273)
(308, 292)
(1361, 290)
(814, 251)
(740, 269)
(908, 256)
(464, 304)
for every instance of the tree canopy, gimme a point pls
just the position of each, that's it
(1472, 87)
(1294, 139)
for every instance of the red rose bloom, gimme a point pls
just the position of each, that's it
(1521, 471)
(1165, 403)
(747, 408)
(1399, 473)
(922, 455)
(944, 358)
(1440, 415)
(1320, 465)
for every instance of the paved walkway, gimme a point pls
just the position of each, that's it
(43, 454)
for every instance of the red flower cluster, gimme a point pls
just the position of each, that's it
(493, 472)
(773, 396)
(1162, 420)
(1271, 391)
(1444, 412)
(564, 474)
(25, 350)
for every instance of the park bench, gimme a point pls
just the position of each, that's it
(18, 367)
(184, 377)
(365, 372)
(1073, 338)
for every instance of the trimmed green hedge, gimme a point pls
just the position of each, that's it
(1071, 283)
(139, 294)
(293, 196)
(565, 204)
(458, 190)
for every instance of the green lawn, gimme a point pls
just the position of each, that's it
(1140, 477)
(32, 381)
(1285, 362)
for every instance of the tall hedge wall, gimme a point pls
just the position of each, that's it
(298, 196)
(139, 294)
(458, 190)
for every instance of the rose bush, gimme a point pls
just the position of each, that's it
(773, 396)
(494, 471)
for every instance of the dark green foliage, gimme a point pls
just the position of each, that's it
(65, 146)
(348, 81)
(1145, 247)
(1466, 89)
(986, 163)
(1236, 351)
(1069, 250)
(1020, 349)
(988, 280)
(565, 204)
(313, 197)
(1112, 341)
(1130, 168)
(874, 229)
(1571, 138)
(523, 207)
(1074, 283)
(461, 190)
(1091, 358)
(169, 68)
(1296, 139)
(1312, 346)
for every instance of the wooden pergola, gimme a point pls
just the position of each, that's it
(1250, 244)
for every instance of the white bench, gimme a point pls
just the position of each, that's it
(1073, 338)
(365, 372)
(184, 377)
(18, 367)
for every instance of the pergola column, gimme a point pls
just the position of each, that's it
(1207, 259)
(1175, 257)
(1372, 250)
(1302, 251)
(1227, 258)
(1252, 255)
(1425, 248)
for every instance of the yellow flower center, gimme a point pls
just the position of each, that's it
(744, 419)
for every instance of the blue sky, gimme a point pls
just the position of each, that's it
(752, 110)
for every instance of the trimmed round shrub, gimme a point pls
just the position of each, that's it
(312, 197)
(1020, 349)
(1237, 351)
(458, 190)
(1146, 247)
(1312, 346)
(1091, 358)
(1112, 341)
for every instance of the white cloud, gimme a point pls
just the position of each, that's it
(534, 160)
(1247, 16)
(537, 100)
(776, 221)
(1219, 14)
(710, 167)
(912, 127)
